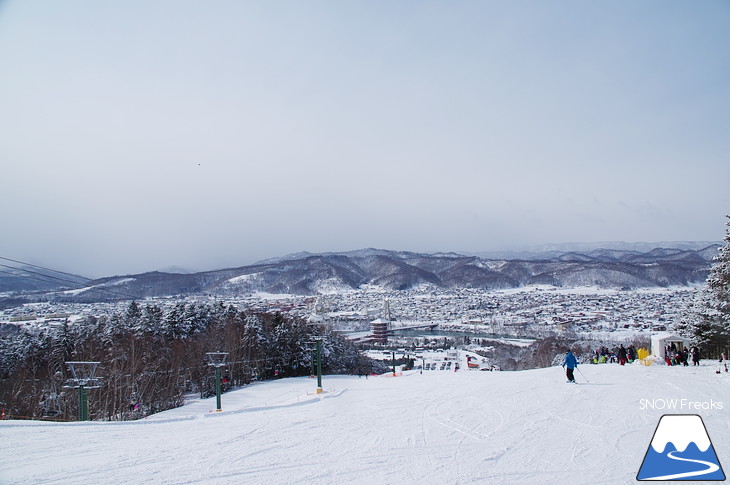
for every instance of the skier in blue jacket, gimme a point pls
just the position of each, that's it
(570, 363)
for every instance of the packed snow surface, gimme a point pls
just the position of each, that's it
(466, 427)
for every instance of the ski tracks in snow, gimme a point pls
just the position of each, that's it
(463, 416)
(474, 431)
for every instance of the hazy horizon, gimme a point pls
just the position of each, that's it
(143, 135)
(516, 251)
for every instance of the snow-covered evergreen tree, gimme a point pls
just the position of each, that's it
(194, 319)
(174, 323)
(685, 320)
(712, 327)
(151, 320)
(132, 316)
(61, 347)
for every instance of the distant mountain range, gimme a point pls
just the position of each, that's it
(32, 278)
(547, 251)
(307, 273)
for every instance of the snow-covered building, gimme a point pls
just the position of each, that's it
(380, 330)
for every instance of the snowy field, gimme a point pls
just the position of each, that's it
(465, 427)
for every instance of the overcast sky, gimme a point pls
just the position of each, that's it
(137, 135)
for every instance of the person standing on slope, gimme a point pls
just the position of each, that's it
(695, 352)
(570, 363)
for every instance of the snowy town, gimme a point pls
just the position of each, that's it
(529, 312)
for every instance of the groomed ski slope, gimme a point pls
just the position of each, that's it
(465, 427)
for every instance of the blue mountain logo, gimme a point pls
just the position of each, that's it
(681, 450)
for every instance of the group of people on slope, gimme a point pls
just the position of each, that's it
(677, 356)
(622, 355)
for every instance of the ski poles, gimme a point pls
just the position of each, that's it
(581, 373)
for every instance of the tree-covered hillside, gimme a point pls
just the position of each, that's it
(150, 358)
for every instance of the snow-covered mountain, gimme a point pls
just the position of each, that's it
(22, 278)
(549, 251)
(306, 273)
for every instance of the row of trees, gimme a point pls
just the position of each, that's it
(150, 358)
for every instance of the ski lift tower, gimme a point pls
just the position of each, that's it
(217, 360)
(318, 340)
(315, 346)
(318, 349)
(83, 378)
